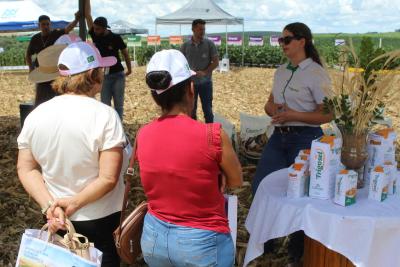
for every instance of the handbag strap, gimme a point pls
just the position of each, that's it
(129, 173)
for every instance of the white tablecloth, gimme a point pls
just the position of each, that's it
(367, 233)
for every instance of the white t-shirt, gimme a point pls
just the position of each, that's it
(305, 87)
(65, 136)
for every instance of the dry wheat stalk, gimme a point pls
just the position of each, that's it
(356, 100)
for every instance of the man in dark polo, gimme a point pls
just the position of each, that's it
(45, 38)
(202, 56)
(110, 44)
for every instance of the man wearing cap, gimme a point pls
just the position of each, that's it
(45, 38)
(202, 56)
(109, 44)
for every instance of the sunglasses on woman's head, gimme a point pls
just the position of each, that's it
(287, 39)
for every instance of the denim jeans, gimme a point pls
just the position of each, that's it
(204, 89)
(281, 150)
(279, 153)
(166, 245)
(114, 88)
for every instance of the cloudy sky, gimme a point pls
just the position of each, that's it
(328, 16)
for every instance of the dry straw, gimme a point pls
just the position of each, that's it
(358, 98)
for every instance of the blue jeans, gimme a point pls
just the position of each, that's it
(281, 150)
(114, 88)
(166, 245)
(204, 89)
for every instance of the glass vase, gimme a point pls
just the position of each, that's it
(354, 153)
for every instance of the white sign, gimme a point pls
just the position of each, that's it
(1, 50)
(340, 42)
(273, 40)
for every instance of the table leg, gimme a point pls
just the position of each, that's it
(317, 255)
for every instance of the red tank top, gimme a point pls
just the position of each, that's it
(179, 167)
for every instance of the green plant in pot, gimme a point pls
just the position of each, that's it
(358, 101)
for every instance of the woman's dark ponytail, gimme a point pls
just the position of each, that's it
(312, 52)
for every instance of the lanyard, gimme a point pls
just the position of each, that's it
(292, 69)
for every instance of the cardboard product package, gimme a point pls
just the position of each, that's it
(381, 148)
(296, 181)
(376, 153)
(390, 172)
(304, 159)
(346, 188)
(389, 137)
(324, 164)
(306, 152)
(378, 187)
(254, 134)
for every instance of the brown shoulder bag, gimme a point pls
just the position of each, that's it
(127, 235)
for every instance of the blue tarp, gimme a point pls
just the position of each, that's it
(28, 25)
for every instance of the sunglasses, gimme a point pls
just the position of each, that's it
(287, 39)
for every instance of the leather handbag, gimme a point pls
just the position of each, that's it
(127, 235)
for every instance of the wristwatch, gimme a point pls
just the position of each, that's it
(46, 208)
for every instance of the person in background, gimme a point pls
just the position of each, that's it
(202, 56)
(71, 152)
(186, 223)
(110, 44)
(296, 107)
(45, 38)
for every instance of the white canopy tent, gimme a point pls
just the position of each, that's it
(22, 15)
(124, 27)
(206, 10)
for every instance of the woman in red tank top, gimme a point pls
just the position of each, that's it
(182, 162)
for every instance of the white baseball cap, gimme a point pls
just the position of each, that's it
(68, 39)
(80, 57)
(172, 61)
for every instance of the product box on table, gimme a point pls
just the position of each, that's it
(390, 172)
(346, 188)
(378, 187)
(324, 164)
(297, 180)
(381, 149)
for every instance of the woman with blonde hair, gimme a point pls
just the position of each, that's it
(71, 152)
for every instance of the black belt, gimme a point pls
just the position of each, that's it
(290, 129)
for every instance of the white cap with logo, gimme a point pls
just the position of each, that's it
(172, 61)
(80, 57)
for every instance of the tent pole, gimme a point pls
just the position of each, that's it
(243, 43)
(155, 45)
(180, 29)
(82, 22)
(226, 40)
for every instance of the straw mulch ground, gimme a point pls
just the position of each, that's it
(241, 90)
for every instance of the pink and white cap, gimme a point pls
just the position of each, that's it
(68, 39)
(80, 57)
(174, 62)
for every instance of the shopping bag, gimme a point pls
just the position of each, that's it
(231, 208)
(38, 248)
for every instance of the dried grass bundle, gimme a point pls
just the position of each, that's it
(359, 97)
